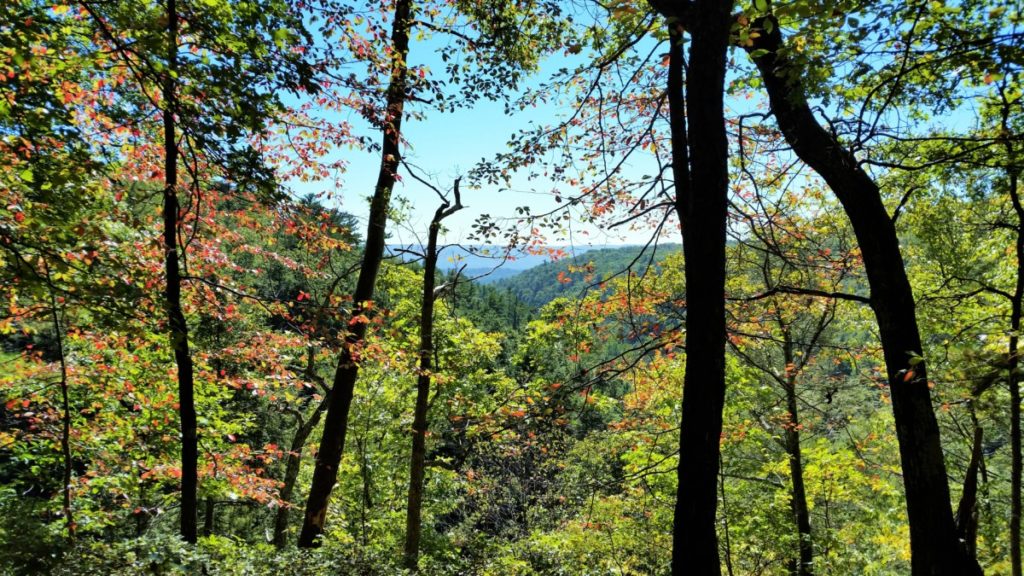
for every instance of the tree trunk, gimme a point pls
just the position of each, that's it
(208, 516)
(701, 184)
(417, 461)
(1013, 360)
(293, 464)
(967, 511)
(725, 524)
(65, 436)
(804, 565)
(172, 293)
(934, 544)
(332, 443)
(291, 472)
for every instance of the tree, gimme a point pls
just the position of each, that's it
(977, 194)
(1010, 99)
(332, 444)
(513, 37)
(937, 549)
(700, 174)
(178, 328)
(417, 461)
(220, 142)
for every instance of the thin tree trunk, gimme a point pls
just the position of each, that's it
(291, 472)
(1013, 360)
(332, 443)
(175, 317)
(142, 514)
(65, 436)
(1015, 442)
(417, 461)
(725, 524)
(701, 184)
(293, 464)
(208, 516)
(935, 547)
(967, 511)
(804, 565)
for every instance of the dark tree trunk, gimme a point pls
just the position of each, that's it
(332, 443)
(208, 516)
(725, 524)
(1013, 360)
(293, 464)
(291, 472)
(366, 501)
(65, 436)
(172, 294)
(1015, 441)
(967, 511)
(700, 171)
(935, 546)
(417, 461)
(142, 515)
(804, 565)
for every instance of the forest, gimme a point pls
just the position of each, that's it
(511, 287)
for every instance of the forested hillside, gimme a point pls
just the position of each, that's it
(258, 312)
(574, 276)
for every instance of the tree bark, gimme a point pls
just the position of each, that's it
(65, 436)
(332, 443)
(209, 516)
(804, 565)
(1013, 359)
(172, 294)
(417, 461)
(701, 179)
(291, 472)
(967, 511)
(935, 547)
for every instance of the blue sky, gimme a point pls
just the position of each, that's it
(445, 145)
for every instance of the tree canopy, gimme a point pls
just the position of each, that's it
(262, 310)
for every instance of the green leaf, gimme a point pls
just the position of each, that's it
(761, 5)
(27, 175)
(280, 37)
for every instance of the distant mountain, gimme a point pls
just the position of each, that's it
(488, 262)
(542, 284)
(491, 275)
(534, 278)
